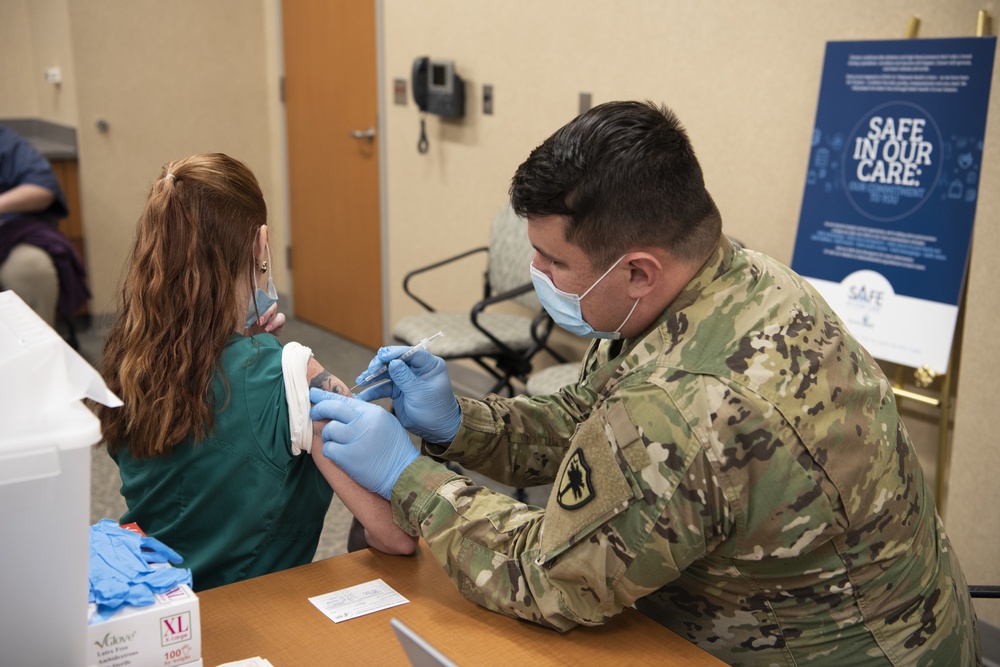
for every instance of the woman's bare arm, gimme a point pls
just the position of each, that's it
(372, 510)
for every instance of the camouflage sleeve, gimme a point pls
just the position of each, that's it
(626, 516)
(518, 441)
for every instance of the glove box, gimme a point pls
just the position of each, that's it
(166, 633)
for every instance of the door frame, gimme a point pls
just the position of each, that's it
(380, 101)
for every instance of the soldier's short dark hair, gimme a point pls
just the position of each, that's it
(625, 175)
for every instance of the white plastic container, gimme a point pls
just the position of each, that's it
(45, 522)
(45, 438)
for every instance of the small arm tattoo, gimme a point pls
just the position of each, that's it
(329, 382)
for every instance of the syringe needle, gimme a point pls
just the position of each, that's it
(422, 345)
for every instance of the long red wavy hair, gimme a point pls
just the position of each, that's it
(185, 292)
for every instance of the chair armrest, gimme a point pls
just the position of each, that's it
(435, 265)
(984, 591)
(503, 296)
(492, 300)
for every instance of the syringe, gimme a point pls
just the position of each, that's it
(422, 345)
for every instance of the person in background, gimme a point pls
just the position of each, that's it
(731, 461)
(37, 261)
(214, 443)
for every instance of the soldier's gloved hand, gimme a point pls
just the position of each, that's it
(421, 393)
(363, 440)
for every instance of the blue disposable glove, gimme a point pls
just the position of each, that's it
(155, 551)
(421, 393)
(363, 440)
(120, 570)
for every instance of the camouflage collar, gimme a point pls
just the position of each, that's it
(717, 264)
(608, 354)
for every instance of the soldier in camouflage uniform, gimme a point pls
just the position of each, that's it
(734, 465)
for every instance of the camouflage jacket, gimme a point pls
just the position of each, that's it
(738, 472)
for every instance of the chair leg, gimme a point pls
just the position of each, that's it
(500, 384)
(70, 336)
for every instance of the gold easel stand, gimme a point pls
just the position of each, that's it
(943, 401)
(984, 25)
(924, 377)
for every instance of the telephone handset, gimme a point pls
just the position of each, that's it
(437, 90)
(419, 82)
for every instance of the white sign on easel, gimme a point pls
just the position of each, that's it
(891, 189)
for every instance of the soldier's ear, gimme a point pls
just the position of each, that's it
(645, 273)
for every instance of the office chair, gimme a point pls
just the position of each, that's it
(501, 343)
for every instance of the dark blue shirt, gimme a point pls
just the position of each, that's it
(20, 164)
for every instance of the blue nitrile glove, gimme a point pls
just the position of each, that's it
(421, 393)
(120, 572)
(363, 440)
(155, 551)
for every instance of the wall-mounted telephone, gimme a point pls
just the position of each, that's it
(437, 89)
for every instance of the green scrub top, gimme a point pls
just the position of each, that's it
(238, 504)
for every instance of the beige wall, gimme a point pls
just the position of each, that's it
(186, 76)
(742, 76)
(171, 79)
(35, 35)
(17, 89)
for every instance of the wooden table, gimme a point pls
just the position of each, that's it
(272, 617)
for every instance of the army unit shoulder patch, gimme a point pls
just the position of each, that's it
(575, 488)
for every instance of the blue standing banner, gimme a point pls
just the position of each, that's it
(890, 196)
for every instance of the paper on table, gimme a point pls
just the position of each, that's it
(359, 600)
(42, 374)
(255, 661)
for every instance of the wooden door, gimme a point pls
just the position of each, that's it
(331, 85)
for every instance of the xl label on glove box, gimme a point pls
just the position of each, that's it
(166, 633)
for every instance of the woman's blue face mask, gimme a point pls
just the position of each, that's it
(564, 308)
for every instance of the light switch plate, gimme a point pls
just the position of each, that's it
(399, 91)
(488, 99)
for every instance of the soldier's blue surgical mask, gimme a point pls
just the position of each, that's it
(262, 300)
(564, 308)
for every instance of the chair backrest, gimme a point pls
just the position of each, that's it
(510, 256)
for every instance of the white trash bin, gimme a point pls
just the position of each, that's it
(45, 523)
(46, 434)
